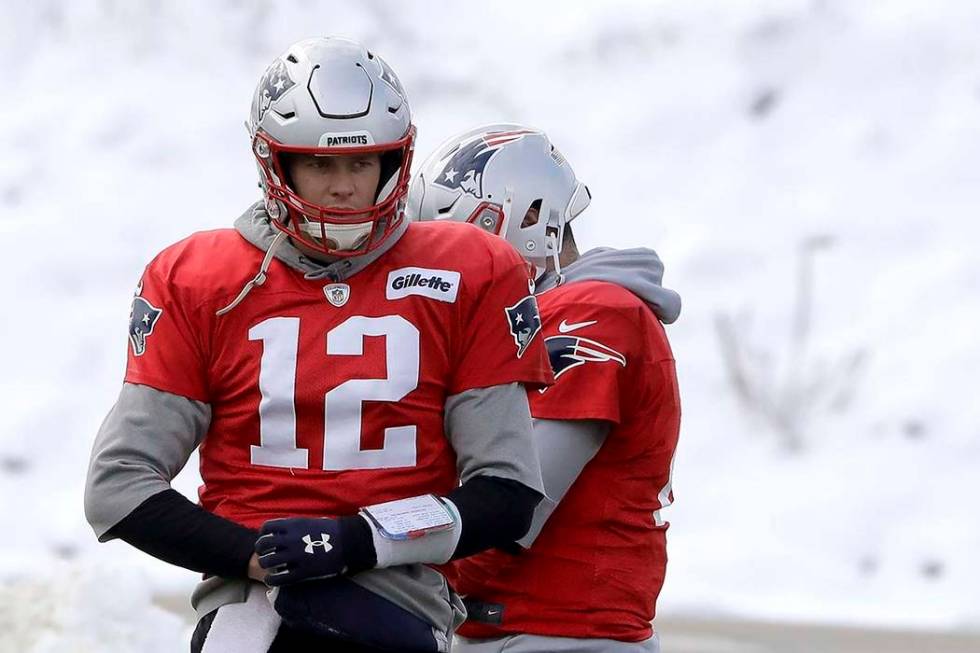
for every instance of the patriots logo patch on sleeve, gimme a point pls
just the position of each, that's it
(142, 318)
(524, 322)
(568, 352)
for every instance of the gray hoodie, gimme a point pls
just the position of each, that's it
(638, 270)
(255, 227)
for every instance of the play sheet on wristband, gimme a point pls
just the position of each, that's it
(407, 518)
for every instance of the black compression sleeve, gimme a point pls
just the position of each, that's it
(493, 511)
(169, 527)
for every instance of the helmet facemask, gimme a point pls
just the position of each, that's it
(342, 232)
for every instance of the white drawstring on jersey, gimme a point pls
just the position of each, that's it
(259, 278)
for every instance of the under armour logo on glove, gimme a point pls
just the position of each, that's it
(286, 545)
(324, 541)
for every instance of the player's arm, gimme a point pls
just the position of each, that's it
(143, 443)
(564, 448)
(490, 429)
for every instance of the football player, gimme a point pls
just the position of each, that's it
(355, 386)
(594, 559)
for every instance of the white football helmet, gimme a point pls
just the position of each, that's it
(331, 96)
(490, 176)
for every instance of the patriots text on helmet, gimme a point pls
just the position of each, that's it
(347, 140)
(352, 139)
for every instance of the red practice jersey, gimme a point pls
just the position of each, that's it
(326, 397)
(597, 567)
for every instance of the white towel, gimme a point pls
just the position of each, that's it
(248, 627)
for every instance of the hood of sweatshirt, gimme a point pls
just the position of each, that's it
(638, 270)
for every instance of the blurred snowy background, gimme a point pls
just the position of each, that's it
(809, 171)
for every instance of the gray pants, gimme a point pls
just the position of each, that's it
(541, 644)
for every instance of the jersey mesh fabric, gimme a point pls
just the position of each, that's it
(598, 566)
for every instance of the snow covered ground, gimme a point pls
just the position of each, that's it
(727, 135)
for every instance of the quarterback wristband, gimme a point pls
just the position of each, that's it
(422, 529)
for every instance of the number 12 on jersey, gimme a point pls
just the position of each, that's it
(343, 404)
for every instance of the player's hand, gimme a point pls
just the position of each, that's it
(255, 570)
(297, 549)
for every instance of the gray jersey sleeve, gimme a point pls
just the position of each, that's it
(143, 443)
(564, 448)
(490, 429)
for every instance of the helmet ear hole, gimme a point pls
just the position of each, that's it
(533, 214)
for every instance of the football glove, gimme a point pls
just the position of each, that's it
(297, 548)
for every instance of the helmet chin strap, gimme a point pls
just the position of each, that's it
(580, 200)
(556, 258)
(553, 237)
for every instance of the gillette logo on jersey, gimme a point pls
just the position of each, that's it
(466, 164)
(441, 285)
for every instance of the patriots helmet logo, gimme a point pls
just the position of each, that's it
(568, 352)
(524, 322)
(142, 318)
(274, 83)
(388, 75)
(467, 161)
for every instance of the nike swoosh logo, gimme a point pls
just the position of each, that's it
(565, 327)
